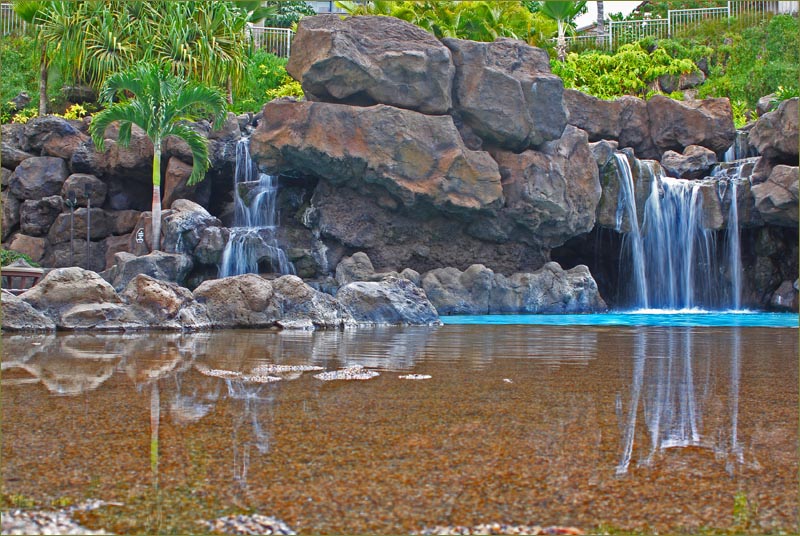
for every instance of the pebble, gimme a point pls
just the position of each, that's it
(252, 524)
(415, 377)
(271, 368)
(221, 373)
(356, 372)
(260, 379)
(500, 528)
(49, 522)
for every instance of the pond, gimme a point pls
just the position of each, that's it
(639, 427)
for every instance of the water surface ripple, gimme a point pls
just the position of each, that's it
(645, 428)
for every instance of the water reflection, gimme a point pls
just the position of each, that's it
(666, 389)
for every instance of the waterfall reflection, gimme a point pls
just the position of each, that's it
(674, 399)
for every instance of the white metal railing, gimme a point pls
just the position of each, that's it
(621, 32)
(275, 40)
(10, 22)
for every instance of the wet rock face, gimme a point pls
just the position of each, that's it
(776, 199)
(504, 91)
(371, 60)
(552, 192)
(38, 177)
(695, 162)
(775, 134)
(674, 125)
(413, 156)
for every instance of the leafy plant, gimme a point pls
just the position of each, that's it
(630, 71)
(289, 88)
(25, 115)
(76, 111)
(7, 256)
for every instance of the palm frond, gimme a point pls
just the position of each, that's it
(122, 112)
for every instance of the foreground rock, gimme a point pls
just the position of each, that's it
(479, 290)
(19, 315)
(371, 60)
(391, 301)
(251, 301)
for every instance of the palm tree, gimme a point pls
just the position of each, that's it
(563, 13)
(601, 25)
(160, 102)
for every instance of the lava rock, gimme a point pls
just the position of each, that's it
(371, 60)
(390, 301)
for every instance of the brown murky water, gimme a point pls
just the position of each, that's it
(645, 429)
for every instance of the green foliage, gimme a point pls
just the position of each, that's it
(266, 79)
(286, 13)
(19, 68)
(756, 62)
(658, 9)
(632, 70)
(8, 256)
(473, 20)
(25, 115)
(740, 113)
(288, 88)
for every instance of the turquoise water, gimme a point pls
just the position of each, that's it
(640, 317)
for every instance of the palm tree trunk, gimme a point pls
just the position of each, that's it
(561, 42)
(230, 90)
(601, 25)
(156, 206)
(43, 81)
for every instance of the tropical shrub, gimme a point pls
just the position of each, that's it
(7, 256)
(632, 70)
(265, 79)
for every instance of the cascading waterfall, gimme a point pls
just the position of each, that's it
(253, 239)
(626, 206)
(673, 258)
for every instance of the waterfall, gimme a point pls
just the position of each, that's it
(734, 250)
(740, 148)
(673, 258)
(626, 205)
(253, 239)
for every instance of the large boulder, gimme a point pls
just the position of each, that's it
(548, 290)
(302, 307)
(36, 216)
(134, 162)
(674, 125)
(358, 267)
(253, 302)
(371, 60)
(238, 301)
(695, 162)
(74, 225)
(80, 183)
(390, 301)
(12, 156)
(32, 246)
(75, 298)
(625, 120)
(553, 192)
(38, 177)
(19, 315)
(163, 305)
(413, 156)
(775, 134)
(183, 226)
(51, 135)
(75, 253)
(454, 292)
(173, 267)
(504, 91)
(777, 198)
